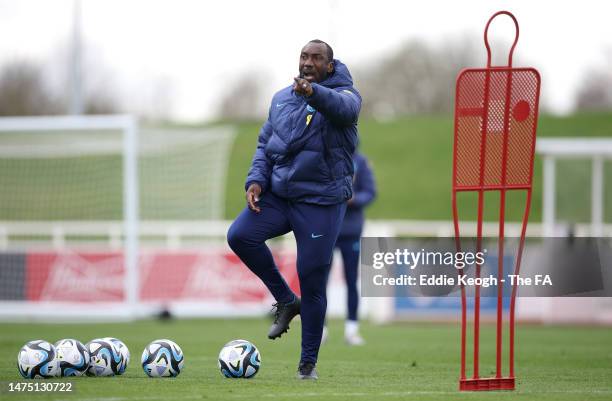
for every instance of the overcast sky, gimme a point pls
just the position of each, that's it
(192, 51)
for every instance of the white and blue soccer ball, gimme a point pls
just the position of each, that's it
(37, 359)
(72, 356)
(162, 358)
(123, 350)
(239, 359)
(104, 358)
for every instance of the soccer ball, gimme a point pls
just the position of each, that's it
(123, 350)
(105, 358)
(162, 358)
(37, 359)
(239, 359)
(72, 356)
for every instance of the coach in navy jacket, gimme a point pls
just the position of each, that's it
(300, 180)
(304, 149)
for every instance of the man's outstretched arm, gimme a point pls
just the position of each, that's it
(341, 107)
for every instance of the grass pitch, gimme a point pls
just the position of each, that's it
(402, 361)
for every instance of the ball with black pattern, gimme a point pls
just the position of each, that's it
(37, 360)
(162, 358)
(104, 358)
(73, 357)
(239, 359)
(124, 351)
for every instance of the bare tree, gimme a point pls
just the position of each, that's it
(245, 100)
(26, 90)
(595, 92)
(99, 93)
(101, 103)
(23, 91)
(416, 79)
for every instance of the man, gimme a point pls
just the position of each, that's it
(364, 192)
(300, 180)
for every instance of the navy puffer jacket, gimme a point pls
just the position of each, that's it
(364, 189)
(304, 151)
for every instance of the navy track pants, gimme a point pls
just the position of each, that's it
(316, 228)
(349, 248)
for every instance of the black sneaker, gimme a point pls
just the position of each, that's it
(282, 316)
(307, 371)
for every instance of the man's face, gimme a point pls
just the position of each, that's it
(314, 65)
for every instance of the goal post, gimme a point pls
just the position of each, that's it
(127, 126)
(97, 212)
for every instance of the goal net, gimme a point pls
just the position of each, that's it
(577, 185)
(83, 197)
(576, 188)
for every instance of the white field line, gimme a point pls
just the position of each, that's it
(324, 395)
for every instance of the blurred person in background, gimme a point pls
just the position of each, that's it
(364, 193)
(300, 180)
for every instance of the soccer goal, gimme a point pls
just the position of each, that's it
(577, 185)
(568, 163)
(86, 202)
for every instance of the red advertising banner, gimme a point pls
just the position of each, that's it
(209, 275)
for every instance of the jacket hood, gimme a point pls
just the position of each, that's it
(340, 77)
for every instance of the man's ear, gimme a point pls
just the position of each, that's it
(330, 67)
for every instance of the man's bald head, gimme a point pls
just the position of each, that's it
(330, 51)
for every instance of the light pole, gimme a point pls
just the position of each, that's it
(76, 96)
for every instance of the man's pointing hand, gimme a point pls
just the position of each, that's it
(302, 87)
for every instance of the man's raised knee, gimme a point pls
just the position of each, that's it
(236, 238)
